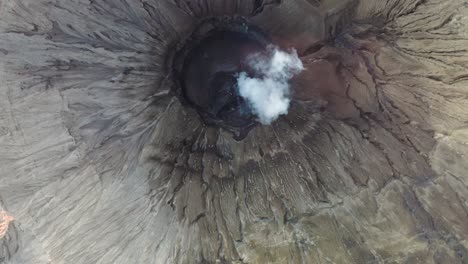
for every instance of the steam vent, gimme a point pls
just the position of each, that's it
(233, 131)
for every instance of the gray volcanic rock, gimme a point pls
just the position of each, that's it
(101, 163)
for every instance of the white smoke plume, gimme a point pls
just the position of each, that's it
(268, 95)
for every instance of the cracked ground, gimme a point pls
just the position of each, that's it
(101, 163)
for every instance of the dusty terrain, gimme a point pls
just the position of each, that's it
(100, 163)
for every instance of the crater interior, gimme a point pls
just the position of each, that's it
(211, 62)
